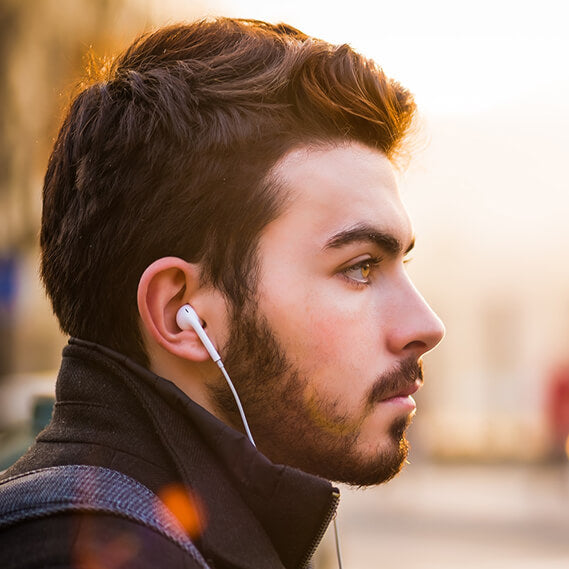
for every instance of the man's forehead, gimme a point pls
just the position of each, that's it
(340, 190)
(350, 171)
(342, 153)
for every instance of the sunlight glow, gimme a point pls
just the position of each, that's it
(454, 58)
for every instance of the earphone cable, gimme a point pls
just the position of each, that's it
(237, 400)
(337, 540)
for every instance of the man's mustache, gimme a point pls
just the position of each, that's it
(396, 382)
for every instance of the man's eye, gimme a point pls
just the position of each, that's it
(361, 272)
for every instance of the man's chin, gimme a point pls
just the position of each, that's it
(385, 464)
(381, 470)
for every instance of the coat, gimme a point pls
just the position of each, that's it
(241, 510)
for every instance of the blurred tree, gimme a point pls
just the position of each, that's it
(45, 46)
(42, 47)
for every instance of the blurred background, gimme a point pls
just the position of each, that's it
(487, 189)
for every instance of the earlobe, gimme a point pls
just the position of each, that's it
(165, 286)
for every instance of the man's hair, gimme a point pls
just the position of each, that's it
(171, 152)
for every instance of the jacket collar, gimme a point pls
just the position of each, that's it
(259, 514)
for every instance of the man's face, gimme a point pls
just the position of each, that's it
(326, 360)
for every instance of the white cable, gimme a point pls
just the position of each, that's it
(337, 539)
(237, 400)
(186, 318)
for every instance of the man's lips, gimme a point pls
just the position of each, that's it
(405, 392)
(403, 381)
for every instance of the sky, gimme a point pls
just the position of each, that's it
(457, 57)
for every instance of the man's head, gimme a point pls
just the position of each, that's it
(219, 163)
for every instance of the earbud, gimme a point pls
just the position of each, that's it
(186, 317)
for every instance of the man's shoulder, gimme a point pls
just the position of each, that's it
(88, 516)
(88, 540)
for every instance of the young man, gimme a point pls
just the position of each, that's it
(244, 170)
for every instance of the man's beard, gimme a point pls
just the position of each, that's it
(301, 430)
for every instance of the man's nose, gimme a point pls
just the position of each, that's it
(415, 328)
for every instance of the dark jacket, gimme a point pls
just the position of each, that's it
(111, 412)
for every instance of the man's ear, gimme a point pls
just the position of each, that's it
(165, 286)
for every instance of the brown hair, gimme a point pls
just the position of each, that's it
(169, 154)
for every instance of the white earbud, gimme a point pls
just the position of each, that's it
(186, 317)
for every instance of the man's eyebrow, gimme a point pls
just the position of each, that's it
(368, 234)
